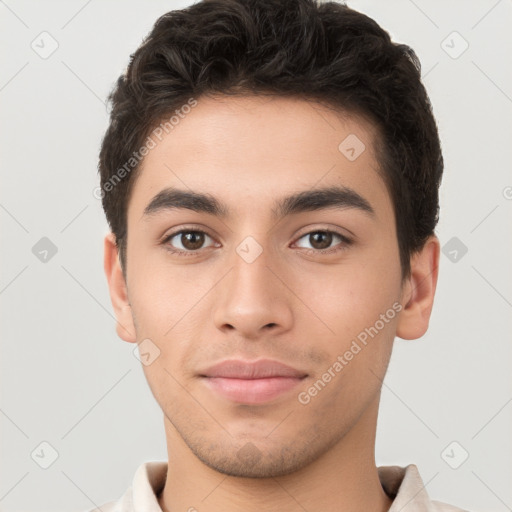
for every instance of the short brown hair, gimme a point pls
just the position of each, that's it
(326, 52)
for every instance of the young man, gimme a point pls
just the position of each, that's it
(270, 176)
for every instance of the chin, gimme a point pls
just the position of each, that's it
(251, 462)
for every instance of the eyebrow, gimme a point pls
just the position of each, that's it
(334, 197)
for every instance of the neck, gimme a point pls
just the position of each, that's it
(344, 478)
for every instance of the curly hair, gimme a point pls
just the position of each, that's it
(326, 52)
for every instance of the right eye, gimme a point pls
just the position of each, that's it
(188, 241)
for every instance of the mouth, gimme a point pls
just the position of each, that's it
(252, 382)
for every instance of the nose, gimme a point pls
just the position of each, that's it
(253, 299)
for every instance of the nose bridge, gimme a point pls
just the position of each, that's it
(251, 296)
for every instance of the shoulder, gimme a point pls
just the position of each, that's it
(123, 504)
(111, 506)
(408, 491)
(119, 505)
(445, 507)
(148, 480)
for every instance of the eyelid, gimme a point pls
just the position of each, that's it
(169, 233)
(347, 237)
(333, 228)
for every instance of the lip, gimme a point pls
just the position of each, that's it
(252, 382)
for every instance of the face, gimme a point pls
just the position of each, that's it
(244, 276)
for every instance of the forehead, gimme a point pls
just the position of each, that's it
(251, 150)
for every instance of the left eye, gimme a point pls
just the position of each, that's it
(321, 240)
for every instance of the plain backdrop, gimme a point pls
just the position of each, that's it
(69, 382)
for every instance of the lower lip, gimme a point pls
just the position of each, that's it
(252, 391)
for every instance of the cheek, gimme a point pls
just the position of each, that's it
(347, 299)
(357, 306)
(156, 291)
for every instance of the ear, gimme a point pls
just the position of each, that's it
(125, 327)
(418, 291)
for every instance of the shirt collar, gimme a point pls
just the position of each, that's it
(406, 488)
(148, 481)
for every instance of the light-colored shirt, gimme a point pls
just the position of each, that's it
(402, 484)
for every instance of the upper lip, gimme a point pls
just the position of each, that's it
(261, 369)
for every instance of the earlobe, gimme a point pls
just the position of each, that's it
(118, 291)
(418, 291)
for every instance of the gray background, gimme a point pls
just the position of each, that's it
(67, 379)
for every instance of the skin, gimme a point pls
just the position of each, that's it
(303, 309)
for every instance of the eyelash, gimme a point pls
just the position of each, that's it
(345, 242)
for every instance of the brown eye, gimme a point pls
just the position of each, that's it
(186, 241)
(321, 242)
(320, 239)
(192, 240)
